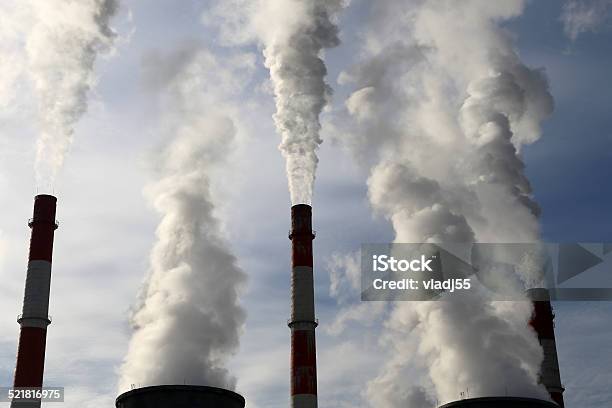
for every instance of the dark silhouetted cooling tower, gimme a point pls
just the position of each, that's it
(180, 396)
(500, 402)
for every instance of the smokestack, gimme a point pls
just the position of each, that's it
(302, 322)
(542, 322)
(35, 315)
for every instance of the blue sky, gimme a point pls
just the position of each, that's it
(570, 170)
(576, 148)
(107, 226)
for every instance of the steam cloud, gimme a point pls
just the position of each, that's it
(294, 34)
(62, 47)
(297, 72)
(189, 319)
(442, 106)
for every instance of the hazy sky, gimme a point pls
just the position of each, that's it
(107, 226)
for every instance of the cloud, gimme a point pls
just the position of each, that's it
(344, 274)
(442, 105)
(188, 315)
(581, 16)
(581, 337)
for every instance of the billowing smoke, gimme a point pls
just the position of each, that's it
(189, 319)
(62, 46)
(442, 105)
(294, 35)
(501, 112)
(297, 70)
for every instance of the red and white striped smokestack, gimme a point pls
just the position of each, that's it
(542, 322)
(35, 315)
(302, 322)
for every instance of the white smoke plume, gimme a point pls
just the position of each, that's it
(501, 112)
(294, 35)
(63, 43)
(297, 72)
(581, 16)
(442, 105)
(189, 319)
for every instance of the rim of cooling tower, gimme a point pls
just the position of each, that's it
(168, 389)
(500, 402)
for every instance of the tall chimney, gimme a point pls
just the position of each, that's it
(542, 322)
(302, 322)
(35, 315)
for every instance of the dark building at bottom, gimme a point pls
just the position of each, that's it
(179, 396)
(500, 402)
